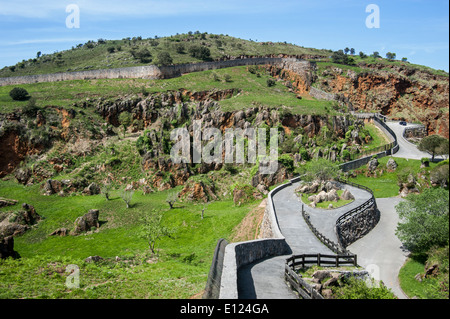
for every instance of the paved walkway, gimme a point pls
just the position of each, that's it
(380, 250)
(264, 279)
(407, 149)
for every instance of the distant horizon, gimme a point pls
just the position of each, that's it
(417, 30)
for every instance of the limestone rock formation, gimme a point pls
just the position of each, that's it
(86, 222)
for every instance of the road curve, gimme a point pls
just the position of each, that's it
(406, 149)
(380, 250)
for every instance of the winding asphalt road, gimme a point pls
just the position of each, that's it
(407, 149)
(264, 279)
(380, 251)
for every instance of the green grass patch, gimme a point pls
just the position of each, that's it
(179, 272)
(384, 183)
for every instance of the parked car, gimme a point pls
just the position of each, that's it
(403, 123)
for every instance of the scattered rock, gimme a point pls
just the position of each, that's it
(92, 189)
(321, 274)
(7, 202)
(431, 271)
(391, 164)
(7, 247)
(22, 175)
(418, 277)
(92, 259)
(86, 222)
(60, 232)
(346, 195)
(372, 165)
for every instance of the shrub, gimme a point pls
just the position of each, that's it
(270, 82)
(142, 55)
(164, 58)
(424, 220)
(19, 94)
(200, 52)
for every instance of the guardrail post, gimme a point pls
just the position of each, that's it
(318, 259)
(355, 263)
(337, 260)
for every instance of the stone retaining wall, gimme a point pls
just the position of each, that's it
(152, 71)
(358, 226)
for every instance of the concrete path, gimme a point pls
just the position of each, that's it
(264, 279)
(407, 149)
(380, 251)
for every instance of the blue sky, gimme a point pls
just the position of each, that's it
(416, 29)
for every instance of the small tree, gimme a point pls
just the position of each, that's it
(172, 198)
(38, 54)
(153, 230)
(339, 57)
(404, 59)
(19, 94)
(352, 51)
(111, 49)
(125, 121)
(424, 220)
(362, 55)
(164, 58)
(391, 56)
(433, 145)
(376, 54)
(346, 50)
(127, 195)
(106, 189)
(320, 169)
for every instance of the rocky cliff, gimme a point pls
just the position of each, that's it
(398, 92)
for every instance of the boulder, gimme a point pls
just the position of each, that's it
(346, 195)
(22, 175)
(7, 202)
(332, 195)
(321, 275)
(92, 189)
(391, 164)
(7, 247)
(372, 165)
(60, 232)
(52, 187)
(86, 222)
(321, 197)
(92, 259)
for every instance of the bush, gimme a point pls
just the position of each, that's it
(164, 58)
(270, 82)
(142, 55)
(200, 52)
(424, 220)
(19, 94)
